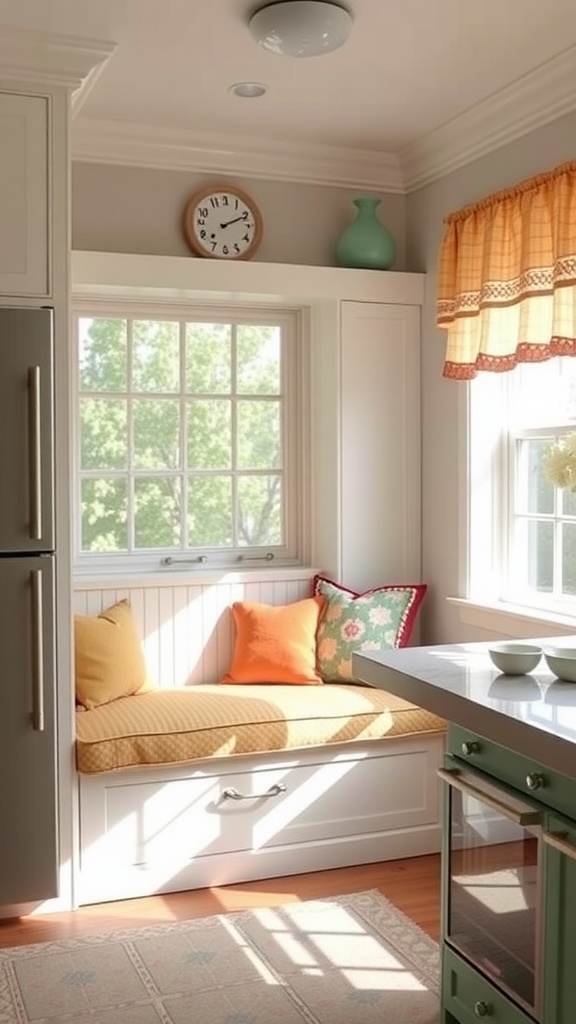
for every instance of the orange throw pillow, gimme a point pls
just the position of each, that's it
(275, 643)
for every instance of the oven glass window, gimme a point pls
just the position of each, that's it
(493, 894)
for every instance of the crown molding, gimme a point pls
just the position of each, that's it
(37, 58)
(124, 143)
(536, 99)
(81, 94)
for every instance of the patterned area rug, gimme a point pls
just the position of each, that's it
(341, 960)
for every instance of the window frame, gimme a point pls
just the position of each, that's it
(558, 602)
(295, 375)
(488, 489)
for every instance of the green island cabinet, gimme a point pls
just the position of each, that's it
(508, 791)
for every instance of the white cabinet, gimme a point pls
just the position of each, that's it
(366, 437)
(24, 182)
(379, 443)
(151, 830)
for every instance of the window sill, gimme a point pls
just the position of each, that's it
(175, 576)
(512, 620)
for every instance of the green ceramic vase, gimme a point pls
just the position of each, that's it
(366, 243)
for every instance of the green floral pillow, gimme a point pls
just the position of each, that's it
(379, 618)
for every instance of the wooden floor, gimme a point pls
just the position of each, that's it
(412, 885)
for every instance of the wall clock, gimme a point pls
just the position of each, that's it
(223, 222)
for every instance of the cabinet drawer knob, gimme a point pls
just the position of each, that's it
(470, 747)
(535, 781)
(482, 1009)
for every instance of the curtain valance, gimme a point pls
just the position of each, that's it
(507, 277)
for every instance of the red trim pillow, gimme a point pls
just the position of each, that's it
(275, 643)
(376, 619)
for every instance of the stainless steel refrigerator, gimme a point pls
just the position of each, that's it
(28, 736)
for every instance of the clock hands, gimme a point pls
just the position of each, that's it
(243, 216)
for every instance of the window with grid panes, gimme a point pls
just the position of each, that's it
(522, 528)
(187, 438)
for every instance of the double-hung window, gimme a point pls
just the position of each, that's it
(522, 548)
(188, 442)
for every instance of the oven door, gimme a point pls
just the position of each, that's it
(492, 884)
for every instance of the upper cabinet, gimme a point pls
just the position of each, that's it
(24, 181)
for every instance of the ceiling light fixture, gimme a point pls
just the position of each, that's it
(301, 28)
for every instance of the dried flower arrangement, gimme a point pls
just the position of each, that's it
(559, 463)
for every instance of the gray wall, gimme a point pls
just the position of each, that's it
(139, 210)
(442, 425)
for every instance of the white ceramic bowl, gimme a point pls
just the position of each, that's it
(562, 662)
(514, 659)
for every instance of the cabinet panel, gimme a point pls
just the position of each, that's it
(165, 829)
(560, 923)
(131, 822)
(28, 806)
(24, 236)
(468, 997)
(380, 443)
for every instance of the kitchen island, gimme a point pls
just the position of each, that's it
(508, 933)
(532, 714)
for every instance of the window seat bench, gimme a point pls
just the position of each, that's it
(206, 785)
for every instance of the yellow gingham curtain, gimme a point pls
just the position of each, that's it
(507, 277)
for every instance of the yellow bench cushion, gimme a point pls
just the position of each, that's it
(177, 726)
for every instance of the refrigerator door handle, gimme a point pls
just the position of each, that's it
(37, 652)
(35, 456)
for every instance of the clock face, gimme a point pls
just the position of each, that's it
(223, 223)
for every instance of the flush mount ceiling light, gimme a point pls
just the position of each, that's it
(301, 28)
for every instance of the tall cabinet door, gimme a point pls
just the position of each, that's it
(24, 235)
(380, 443)
(28, 801)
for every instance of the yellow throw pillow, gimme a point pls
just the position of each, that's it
(108, 657)
(275, 643)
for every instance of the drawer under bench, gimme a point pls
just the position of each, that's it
(239, 818)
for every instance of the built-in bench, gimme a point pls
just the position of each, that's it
(207, 784)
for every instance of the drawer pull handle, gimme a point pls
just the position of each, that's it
(234, 794)
(535, 781)
(518, 811)
(35, 470)
(482, 1009)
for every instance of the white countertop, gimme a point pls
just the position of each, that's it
(533, 714)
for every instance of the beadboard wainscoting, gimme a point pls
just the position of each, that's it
(186, 625)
